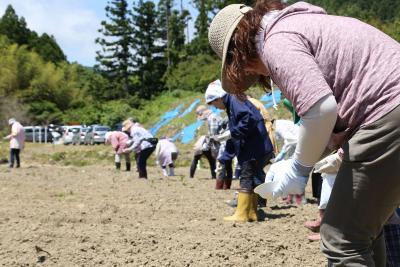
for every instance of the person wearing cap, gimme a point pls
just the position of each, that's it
(251, 143)
(342, 77)
(210, 147)
(202, 148)
(142, 145)
(226, 155)
(119, 141)
(17, 142)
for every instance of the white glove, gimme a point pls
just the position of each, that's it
(222, 137)
(329, 164)
(274, 169)
(291, 178)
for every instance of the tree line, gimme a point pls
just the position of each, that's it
(144, 51)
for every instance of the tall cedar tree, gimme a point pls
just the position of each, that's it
(178, 23)
(115, 57)
(149, 61)
(172, 31)
(164, 16)
(199, 43)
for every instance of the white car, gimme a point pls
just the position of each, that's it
(72, 134)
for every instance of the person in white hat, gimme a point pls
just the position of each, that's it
(210, 147)
(17, 142)
(251, 144)
(342, 77)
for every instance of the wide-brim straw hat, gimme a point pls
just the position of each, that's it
(219, 35)
(126, 125)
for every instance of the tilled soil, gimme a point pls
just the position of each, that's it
(96, 216)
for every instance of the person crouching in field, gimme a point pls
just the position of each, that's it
(119, 141)
(252, 146)
(143, 145)
(17, 141)
(166, 154)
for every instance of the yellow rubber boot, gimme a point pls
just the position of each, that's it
(253, 208)
(242, 210)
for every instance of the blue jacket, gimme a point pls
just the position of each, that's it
(249, 136)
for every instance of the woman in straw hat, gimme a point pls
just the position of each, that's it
(343, 78)
(142, 145)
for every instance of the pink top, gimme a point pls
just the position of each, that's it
(310, 55)
(17, 136)
(118, 141)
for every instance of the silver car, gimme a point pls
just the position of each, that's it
(96, 134)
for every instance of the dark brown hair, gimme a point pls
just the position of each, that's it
(242, 49)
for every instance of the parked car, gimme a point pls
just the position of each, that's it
(37, 134)
(72, 134)
(83, 134)
(96, 134)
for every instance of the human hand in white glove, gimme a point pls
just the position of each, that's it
(223, 137)
(329, 164)
(291, 177)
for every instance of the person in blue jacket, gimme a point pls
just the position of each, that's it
(252, 146)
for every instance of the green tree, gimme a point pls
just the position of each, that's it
(14, 27)
(183, 77)
(172, 31)
(115, 56)
(46, 46)
(149, 61)
(199, 43)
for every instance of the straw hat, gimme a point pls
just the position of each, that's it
(219, 35)
(126, 125)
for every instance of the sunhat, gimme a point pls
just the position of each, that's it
(11, 121)
(214, 91)
(219, 35)
(126, 125)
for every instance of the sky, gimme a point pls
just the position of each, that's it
(74, 23)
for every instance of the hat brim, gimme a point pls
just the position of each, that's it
(226, 83)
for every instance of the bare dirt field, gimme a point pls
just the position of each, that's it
(55, 215)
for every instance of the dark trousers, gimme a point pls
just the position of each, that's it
(316, 182)
(226, 172)
(142, 161)
(365, 195)
(252, 173)
(14, 156)
(211, 161)
(169, 165)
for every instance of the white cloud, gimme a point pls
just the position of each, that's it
(71, 22)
